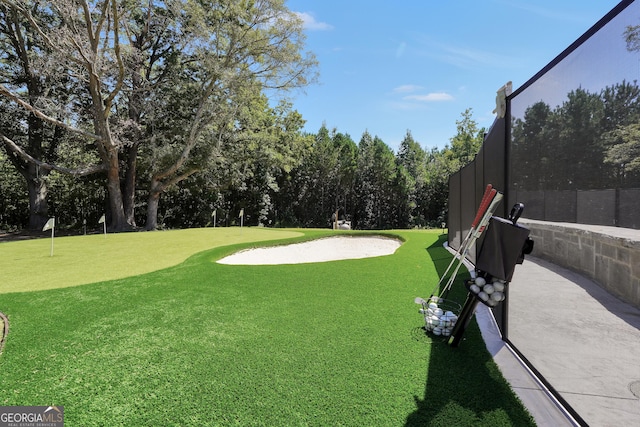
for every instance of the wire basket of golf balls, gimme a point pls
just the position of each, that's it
(487, 290)
(440, 315)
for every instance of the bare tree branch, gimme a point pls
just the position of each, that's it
(6, 92)
(82, 171)
(47, 40)
(116, 47)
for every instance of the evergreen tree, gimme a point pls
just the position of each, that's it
(468, 139)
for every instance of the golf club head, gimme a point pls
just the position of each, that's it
(419, 300)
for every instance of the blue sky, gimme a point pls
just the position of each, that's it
(391, 66)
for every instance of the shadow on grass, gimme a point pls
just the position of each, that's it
(463, 384)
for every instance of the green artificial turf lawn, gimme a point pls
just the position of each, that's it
(28, 265)
(205, 344)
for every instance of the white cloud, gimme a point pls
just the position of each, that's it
(430, 97)
(309, 22)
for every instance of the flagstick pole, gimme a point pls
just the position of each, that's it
(104, 226)
(52, 231)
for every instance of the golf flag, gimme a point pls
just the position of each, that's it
(49, 225)
(241, 213)
(103, 221)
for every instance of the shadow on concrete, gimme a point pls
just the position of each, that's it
(619, 308)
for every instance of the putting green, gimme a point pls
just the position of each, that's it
(28, 265)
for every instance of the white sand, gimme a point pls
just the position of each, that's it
(327, 249)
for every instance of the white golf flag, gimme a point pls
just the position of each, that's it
(241, 213)
(101, 220)
(49, 225)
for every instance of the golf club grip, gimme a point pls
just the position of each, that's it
(488, 214)
(484, 204)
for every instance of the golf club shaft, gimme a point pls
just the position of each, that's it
(487, 197)
(475, 236)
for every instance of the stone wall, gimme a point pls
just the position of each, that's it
(608, 255)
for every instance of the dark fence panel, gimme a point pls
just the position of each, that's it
(597, 207)
(455, 212)
(534, 206)
(560, 206)
(494, 160)
(467, 200)
(467, 186)
(629, 208)
(611, 207)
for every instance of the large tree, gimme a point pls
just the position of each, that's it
(171, 75)
(377, 174)
(25, 135)
(84, 38)
(412, 158)
(236, 51)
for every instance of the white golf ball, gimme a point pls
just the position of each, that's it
(483, 296)
(474, 288)
(449, 313)
(498, 286)
(446, 332)
(488, 289)
(492, 302)
(453, 319)
(437, 330)
(480, 281)
(438, 312)
(435, 320)
(428, 324)
(497, 296)
(433, 305)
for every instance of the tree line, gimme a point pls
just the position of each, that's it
(173, 113)
(324, 173)
(589, 142)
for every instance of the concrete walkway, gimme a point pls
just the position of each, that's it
(581, 339)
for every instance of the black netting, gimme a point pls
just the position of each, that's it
(575, 130)
(569, 148)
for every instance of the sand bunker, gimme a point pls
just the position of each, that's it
(327, 249)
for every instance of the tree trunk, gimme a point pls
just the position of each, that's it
(36, 185)
(152, 210)
(38, 206)
(116, 207)
(37, 190)
(129, 190)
